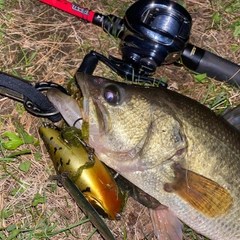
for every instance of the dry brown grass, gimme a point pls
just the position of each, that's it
(59, 43)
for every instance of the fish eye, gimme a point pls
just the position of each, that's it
(112, 94)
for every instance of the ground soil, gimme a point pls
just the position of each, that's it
(40, 43)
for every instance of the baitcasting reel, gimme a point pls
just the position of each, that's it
(152, 32)
(155, 32)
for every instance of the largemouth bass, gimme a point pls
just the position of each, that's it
(166, 225)
(172, 147)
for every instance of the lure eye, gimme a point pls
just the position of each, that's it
(112, 94)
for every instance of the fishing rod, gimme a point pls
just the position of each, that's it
(110, 23)
(152, 33)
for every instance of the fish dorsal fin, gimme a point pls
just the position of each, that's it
(205, 195)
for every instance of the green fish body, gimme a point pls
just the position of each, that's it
(172, 147)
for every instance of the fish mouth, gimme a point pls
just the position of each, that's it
(85, 110)
(92, 108)
(85, 96)
(102, 118)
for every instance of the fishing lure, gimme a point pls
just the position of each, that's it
(74, 156)
(87, 208)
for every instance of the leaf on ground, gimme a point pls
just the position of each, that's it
(13, 234)
(13, 141)
(38, 199)
(6, 213)
(25, 166)
(22, 133)
(236, 32)
(200, 77)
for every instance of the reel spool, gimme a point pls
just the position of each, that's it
(155, 32)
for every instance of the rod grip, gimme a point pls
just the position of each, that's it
(202, 61)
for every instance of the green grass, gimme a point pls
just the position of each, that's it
(38, 224)
(44, 227)
(225, 16)
(217, 95)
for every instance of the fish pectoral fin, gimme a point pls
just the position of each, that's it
(205, 195)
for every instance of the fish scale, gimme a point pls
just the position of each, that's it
(182, 154)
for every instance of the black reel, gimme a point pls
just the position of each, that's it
(155, 32)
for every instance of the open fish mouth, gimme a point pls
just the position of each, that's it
(85, 110)
(86, 98)
(95, 112)
(73, 111)
(68, 107)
